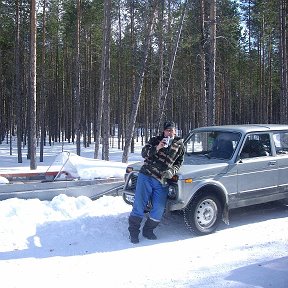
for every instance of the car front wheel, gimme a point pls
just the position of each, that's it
(203, 214)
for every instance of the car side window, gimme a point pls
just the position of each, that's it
(281, 142)
(256, 145)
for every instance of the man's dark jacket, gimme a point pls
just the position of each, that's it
(166, 159)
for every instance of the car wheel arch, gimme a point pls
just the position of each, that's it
(219, 190)
(213, 198)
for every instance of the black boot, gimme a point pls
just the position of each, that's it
(148, 229)
(134, 228)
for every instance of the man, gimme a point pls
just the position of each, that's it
(163, 156)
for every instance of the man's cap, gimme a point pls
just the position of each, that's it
(169, 125)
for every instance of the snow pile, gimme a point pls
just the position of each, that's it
(21, 219)
(3, 180)
(87, 168)
(77, 241)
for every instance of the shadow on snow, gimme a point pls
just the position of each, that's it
(109, 233)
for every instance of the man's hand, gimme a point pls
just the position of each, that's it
(160, 145)
(167, 174)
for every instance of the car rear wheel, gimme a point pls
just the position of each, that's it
(203, 214)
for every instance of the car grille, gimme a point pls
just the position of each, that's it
(131, 181)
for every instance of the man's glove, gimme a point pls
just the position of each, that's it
(167, 174)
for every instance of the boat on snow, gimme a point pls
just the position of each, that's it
(69, 174)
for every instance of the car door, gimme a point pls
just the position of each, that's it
(280, 142)
(257, 170)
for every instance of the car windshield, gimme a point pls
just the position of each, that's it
(213, 144)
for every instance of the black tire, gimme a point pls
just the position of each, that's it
(203, 214)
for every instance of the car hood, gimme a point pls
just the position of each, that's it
(198, 167)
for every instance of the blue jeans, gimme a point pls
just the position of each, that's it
(149, 188)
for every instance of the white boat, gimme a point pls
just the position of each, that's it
(69, 174)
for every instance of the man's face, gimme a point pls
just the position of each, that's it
(171, 132)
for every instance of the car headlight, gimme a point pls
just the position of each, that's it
(129, 169)
(172, 191)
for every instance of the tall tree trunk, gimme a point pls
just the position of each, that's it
(88, 90)
(32, 116)
(43, 86)
(18, 86)
(78, 79)
(203, 77)
(132, 74)
(170, 71)
(284, 61)
(270, 83)
(250, 78)
(106, 90)
(138, 90)
(212, 61)
(161, 60)
(104, 65)
(119, 112)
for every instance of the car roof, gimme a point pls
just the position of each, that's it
(244, 128)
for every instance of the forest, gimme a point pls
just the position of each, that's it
(88, 71)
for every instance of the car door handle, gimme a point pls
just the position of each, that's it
(272, 163)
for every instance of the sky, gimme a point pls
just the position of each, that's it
(74, 241)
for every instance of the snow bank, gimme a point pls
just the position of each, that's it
(87, 168)
(3, 180)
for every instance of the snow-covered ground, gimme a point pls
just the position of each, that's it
(76, 242)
